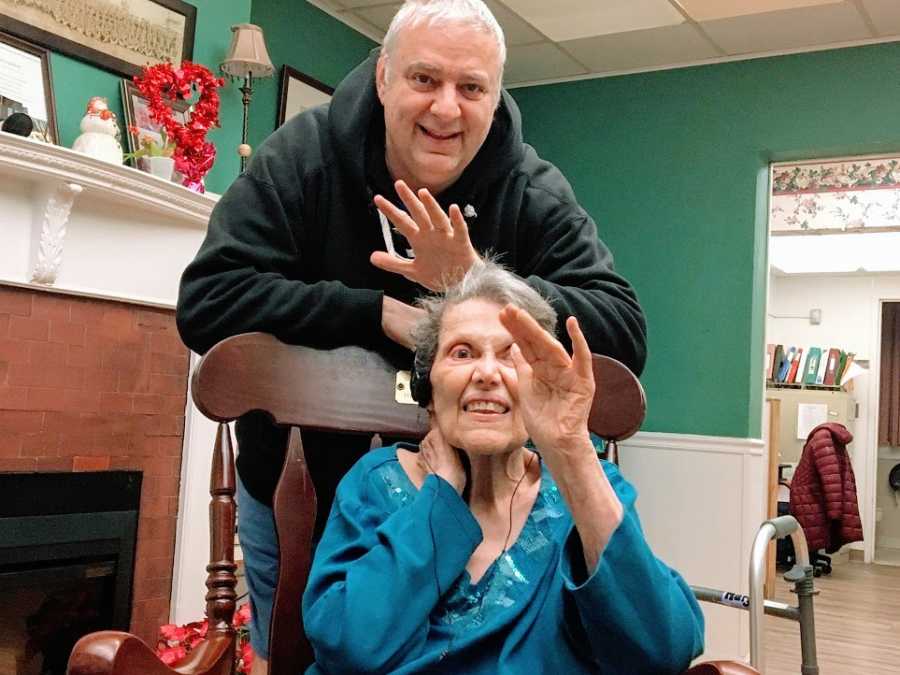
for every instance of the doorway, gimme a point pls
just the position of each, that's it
(834, 238)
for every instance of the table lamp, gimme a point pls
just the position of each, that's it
(247, 58)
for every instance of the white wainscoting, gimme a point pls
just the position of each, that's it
(701, 500)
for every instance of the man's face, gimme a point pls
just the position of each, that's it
(439, 89)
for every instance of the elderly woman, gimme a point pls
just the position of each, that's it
(474, 553)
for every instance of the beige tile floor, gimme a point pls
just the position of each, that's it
(857, 615)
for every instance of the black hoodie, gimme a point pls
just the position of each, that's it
(288, 246)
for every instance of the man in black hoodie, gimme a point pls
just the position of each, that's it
(420, 136)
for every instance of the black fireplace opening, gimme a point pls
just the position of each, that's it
(67, 543)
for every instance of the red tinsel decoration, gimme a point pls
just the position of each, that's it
(194, 155)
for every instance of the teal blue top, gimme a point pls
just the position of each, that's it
(389, 592)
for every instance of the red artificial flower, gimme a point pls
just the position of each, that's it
(171, 632)
(246, 656)
(175, 642)
(242, 615)
(170, 655)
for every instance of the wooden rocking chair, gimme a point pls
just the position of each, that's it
(350, 390)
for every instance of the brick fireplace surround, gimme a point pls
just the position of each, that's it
(93, 385)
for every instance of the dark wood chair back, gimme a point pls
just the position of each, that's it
(348, 390)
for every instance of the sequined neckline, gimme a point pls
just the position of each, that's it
(534, 534)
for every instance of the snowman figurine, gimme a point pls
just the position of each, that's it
(99, 132)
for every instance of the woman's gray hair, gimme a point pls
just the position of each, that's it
(487, 280)
(473, 13)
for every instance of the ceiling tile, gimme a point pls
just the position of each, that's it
(352, 4)
(379, 16)
(515, 28)
(885, 15)
(789, 29)
(708, 10)
(543, 61)
(573, 19)
(641, 49)
(330, 4)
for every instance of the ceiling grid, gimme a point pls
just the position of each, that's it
(579, 39)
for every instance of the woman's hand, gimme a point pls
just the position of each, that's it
(555, 393)
(440, 458)
(555, 390)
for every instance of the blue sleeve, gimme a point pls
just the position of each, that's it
(638, 614)
(376, 576)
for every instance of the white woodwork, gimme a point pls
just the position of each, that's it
(701, 500)
(84, 226)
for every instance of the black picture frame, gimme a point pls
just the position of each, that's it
(135, 108)
(19, 20)
(292, 81)
(50, 132)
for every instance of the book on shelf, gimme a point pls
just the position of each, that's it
(812, 365)
(795, 366)
(848, 361)
(785, 365)
(834, 358)
(823, 366)
(777, 362)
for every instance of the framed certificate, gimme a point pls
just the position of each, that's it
(25, 86)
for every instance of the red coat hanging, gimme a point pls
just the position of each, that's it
(823, 490)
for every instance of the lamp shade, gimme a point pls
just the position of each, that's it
(247, 54)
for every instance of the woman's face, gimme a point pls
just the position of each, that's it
(474, 384)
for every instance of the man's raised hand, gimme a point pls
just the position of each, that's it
(440, 241)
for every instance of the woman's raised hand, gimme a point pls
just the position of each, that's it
(555, 390)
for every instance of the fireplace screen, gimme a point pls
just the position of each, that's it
(66, 563)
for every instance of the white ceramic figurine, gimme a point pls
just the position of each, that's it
(99, 132)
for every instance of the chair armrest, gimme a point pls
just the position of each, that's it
(722, 668)
(116, 653)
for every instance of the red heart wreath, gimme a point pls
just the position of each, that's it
(194, 155)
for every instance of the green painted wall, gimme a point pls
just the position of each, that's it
(74, 82)
(308, 39)
(672, 165)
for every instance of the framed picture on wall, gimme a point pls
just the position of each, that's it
(26, 86)
(118, 36)
(137, 114)
(299, 92)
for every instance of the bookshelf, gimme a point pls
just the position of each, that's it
(797, 385)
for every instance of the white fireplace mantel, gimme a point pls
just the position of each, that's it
(81, 225)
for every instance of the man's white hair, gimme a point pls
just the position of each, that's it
(473, 13)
